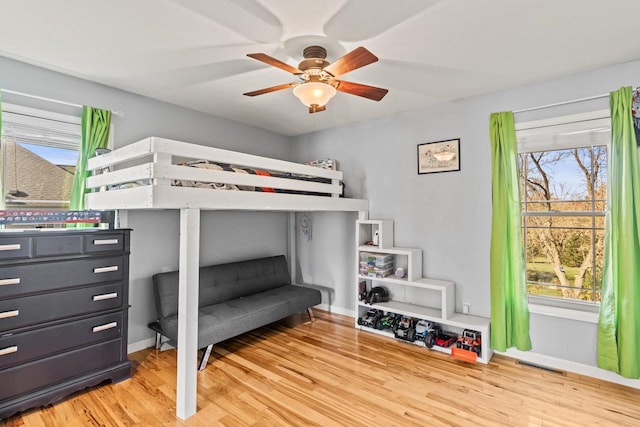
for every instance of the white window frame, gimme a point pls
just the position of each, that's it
(63, 123)
(526, 133)
(50, 115)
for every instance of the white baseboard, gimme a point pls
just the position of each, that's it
(141, 345)
(334, 309)
(567, 365)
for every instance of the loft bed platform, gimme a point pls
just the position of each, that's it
(158, 173)
(155, 196)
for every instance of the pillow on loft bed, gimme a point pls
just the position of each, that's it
(206, 164)
(330, 164)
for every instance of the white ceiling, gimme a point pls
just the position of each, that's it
(193, 52)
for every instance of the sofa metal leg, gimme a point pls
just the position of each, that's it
(310, 313)
(158, 340)
(205, 357)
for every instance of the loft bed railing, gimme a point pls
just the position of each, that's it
(153, 174)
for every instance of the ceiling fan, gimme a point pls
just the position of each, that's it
(318, 77)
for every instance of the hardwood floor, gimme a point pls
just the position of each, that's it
(327, 373)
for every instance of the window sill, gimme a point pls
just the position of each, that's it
(565, 313)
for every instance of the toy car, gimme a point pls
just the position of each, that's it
(443, 339)
(370, 318)
(426, 331)
(388, 321)
(405, 329)
(470, 340)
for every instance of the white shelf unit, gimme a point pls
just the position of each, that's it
(412, 295)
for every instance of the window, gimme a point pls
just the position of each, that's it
(563, 186)
(39, 154)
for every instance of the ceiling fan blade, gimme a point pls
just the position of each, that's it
(353, 60)
(365, 91)
(270, 60)
(270, 89)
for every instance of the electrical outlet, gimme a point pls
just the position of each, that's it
(308, 279)
(466, 307)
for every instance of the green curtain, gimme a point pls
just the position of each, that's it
(619, 322)
(95, 134)
(509, 309)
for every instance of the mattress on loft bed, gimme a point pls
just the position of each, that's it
(206, 164)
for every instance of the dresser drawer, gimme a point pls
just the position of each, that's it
(32, 310)
(57, 245)
(39, 343)
(104, 243)
(55, 369)
(48, 276)
(14, 247)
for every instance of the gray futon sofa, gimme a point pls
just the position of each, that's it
(234, 298)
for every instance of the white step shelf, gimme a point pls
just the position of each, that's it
(412, 295)
(444, 287)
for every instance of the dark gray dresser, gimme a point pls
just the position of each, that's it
(63, 314)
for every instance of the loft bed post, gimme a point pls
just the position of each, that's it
(162, 159)
(122, 218)
(187, 385)
(291, 246)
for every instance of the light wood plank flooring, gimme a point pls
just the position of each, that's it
(327, 373)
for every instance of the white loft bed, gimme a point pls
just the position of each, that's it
(155, 164)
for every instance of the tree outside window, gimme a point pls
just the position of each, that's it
(563, 194)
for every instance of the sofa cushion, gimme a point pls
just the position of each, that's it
(228, 319)
(224, 282)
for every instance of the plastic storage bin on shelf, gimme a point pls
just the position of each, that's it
(374, 266)
(378, 260)
(376, 272)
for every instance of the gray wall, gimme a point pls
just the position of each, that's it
(154, 242)
(448, 215)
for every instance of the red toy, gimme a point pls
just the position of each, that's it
(445, 340)
(471, 341)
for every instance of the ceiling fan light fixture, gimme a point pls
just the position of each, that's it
(314, 93)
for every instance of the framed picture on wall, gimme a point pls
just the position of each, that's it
(439, 156)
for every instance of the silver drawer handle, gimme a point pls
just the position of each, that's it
(105, 269)
(7, 314)
(105, 242)
(105, 327)
(15, 281)
(13, 247)
(9, 350)
(103, 297)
